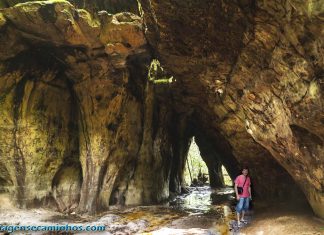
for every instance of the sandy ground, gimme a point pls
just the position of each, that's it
(284, 220)
(263, 220)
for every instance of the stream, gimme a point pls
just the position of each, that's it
(200, 200)
(201, 211)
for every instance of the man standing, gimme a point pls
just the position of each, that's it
(243, 195)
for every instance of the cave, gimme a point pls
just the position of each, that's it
(100, 101)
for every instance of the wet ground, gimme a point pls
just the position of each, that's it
(201, 211)
(193, 213)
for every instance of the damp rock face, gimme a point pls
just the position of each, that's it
(253, 70)
(86, 123)
(77, 109)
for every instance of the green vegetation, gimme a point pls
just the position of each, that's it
(194, 163)
(157, 75)
(227, 179)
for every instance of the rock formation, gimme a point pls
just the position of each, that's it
(75, 97)
(87, 121)
(253, 70)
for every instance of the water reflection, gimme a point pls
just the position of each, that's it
(202, 200)
(201, 211)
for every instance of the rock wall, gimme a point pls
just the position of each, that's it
(253, 70)
(85, 126)
(93, 6)
(77, 110)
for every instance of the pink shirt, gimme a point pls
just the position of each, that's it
(240, 181)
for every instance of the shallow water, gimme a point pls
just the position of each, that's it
(202, 211)
(207, 212)
(202, 200)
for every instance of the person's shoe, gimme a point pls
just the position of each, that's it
(244, 221)
(239, 225)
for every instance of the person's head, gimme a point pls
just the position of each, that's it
(245, 170)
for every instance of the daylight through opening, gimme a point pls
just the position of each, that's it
(196, 171)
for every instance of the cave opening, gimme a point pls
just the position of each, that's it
(206, 181)
(206, 184)
(199, 172)
(196, 171)
(227, 179)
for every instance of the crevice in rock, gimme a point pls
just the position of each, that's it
(18, 157)
(66, 183)
(6, 183)
(181, 139)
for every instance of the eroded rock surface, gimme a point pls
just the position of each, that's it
(83, 125)
(75, 101)
(112, 6)
(253, 71)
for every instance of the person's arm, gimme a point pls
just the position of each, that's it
(237, 195)
(250, 192)
(250, 188)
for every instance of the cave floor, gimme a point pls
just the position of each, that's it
(198, 212)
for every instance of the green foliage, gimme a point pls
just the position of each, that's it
(157, 75)
(196, 163)
(227, 179)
